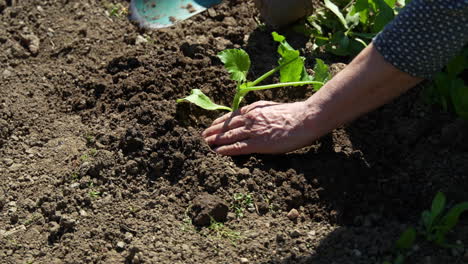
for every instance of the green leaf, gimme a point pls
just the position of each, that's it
(442, 89)
(427, 220)
(237, 62)
(391, 3)
(400, 259)
(321, 73)
(200, 99)
(360, 5)
(384, 15)
(450, 220)
(438, 204)
(352, 19)
(406, 239)
(356, 45)
(456, 65)
(334, 8)
(459, 95)
(339, 44)
(291, 64)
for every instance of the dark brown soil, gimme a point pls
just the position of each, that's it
(99, 165)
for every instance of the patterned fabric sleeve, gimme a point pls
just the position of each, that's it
(425, 36)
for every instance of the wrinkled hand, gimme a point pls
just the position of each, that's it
(262, 127)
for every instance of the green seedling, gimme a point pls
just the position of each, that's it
(92, 152)
(116, 10)
(84, 157)
(347, 28)
(242, 202)
(237, 62)
(221, 231)
(92, 193)
(90, 139)
(449, 89)
(403, 245)
(74, 176)
(437, 222)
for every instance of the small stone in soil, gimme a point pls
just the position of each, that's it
(293, 214)
(120, 245)
(357, 253)
(244, 260)
(140, 40)
(6, 73)
(32, 42)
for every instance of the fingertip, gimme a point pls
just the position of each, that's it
(236, 149)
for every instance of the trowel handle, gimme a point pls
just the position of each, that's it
(281, 12)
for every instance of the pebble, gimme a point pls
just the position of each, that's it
(32, 41)
(230, 21)
(140, 40)
(357, 253)
(83, 213)
(244, 260)
(128, 236)
(212, 13)
(293, 214)
(244, 171)
(6, 73)
(120, 245)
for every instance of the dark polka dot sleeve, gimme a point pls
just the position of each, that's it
(425, 36)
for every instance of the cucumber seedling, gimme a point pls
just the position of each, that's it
(237, 62)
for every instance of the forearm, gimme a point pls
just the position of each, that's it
(365, 84)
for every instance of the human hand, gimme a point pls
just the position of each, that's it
(281, 13)
(262, 127)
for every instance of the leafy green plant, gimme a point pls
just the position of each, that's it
(346, 29)
(403, 245)
(437, 222)
(435, 225)
(242, 202)
(449, 89)
(237, 62)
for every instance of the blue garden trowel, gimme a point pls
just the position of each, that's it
(164, 13)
